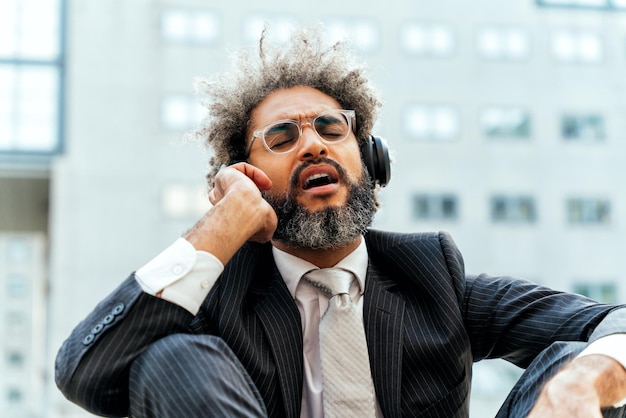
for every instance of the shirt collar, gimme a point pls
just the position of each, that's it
(292, 268)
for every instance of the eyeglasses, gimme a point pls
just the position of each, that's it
(283, 136)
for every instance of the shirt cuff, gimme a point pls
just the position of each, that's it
(183, 275)
(191, 290)
(613, 346)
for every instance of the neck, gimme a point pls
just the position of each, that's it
(322, 258)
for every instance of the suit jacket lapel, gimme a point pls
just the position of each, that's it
(383, 315)
(281, 321)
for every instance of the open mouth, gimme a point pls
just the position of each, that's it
(318, 180)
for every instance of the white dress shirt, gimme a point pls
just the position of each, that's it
(185, 276)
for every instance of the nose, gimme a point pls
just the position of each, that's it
(312, 146)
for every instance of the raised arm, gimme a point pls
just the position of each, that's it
(93, 365)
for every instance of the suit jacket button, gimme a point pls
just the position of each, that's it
(88, 339)
(97, 328)
(108, 319)
(119, 308)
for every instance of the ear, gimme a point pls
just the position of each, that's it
(375, 155)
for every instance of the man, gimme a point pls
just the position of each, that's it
(223, 323)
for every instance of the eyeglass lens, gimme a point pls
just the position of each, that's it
(283, 136)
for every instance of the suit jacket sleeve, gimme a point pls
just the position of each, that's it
(93, 364)
(515, 319)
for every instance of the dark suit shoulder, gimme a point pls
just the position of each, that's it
(421, 257)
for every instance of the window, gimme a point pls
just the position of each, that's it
(180, 112)
(17, 323)
(588, 127)
(14, 395)
(19, 251)
(582, 47)
(17, 285)
(361, 33)
(184, 200)
(588, 211)
(513, 209)
(279, 27)
(190, 26)
(500, 43)
(505, 122)
(602, 292)
(427, 39)
(590, 4)
(15, 358)
(431, 122)
(435, 207)
(30, 76)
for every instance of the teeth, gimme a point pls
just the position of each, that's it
(316, 176)
(317, 179)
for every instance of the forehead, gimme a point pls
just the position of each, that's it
(292, 103)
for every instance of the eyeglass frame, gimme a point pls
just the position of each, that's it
(350, 116)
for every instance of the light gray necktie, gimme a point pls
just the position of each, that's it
(348, 387)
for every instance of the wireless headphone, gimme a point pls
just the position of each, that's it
(375, 155)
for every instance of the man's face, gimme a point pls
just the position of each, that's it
(311, 214)
(298, 103)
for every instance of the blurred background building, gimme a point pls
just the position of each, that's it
(506, 119)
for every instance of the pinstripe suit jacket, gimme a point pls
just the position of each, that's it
(425, 322)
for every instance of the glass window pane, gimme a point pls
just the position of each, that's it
(435, 206)
(505, 123)
(588, 211)
(8, 28)
(581, 47)
(592, 2)
(180, 112)
(557, 2)
(489, 43)
(427, 39)
(205, 27)
(513, 209)
(517, 44)
(600, 291)
(174, 25)
(33, 109)
(413, 39)
(363, 34)
(590, 48)
(190, 26)
(503, 43)
(583, 127)
(432, 122)
(442, 40)
(280, 27)
(39, 29)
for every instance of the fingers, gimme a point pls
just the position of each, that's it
(231, 177)
(255, 174)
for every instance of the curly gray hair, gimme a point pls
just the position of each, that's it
(305, 60)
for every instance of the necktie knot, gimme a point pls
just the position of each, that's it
(331, 281)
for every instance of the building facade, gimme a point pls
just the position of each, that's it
(505, 120)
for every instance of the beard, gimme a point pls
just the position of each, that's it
(331, 227)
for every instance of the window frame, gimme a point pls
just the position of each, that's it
(18, 62)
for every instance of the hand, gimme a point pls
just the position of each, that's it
(581, 389)
(245, 181)
(239, 212)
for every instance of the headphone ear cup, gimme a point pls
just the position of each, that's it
(375, 154)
